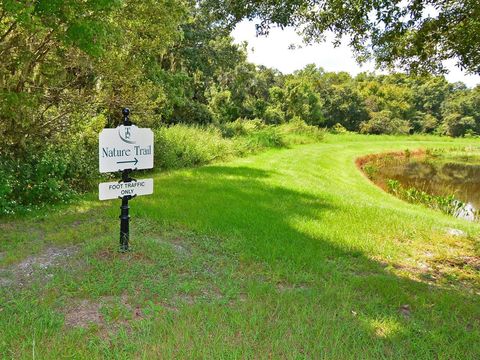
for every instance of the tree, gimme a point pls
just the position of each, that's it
(66, 61)
(302, 101)
(461, 112)
(46, 49)
(384, 122)
(415, 35)
(457, 125)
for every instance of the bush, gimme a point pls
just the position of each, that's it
(55, 173)
(382, 122)
(240, 127)
(455, 125)
(298, 131)
(59, 172)
(274, 115)
(35, 179)
(192, 112)
(424, 122)
(269, 136)
(182, 146)
(338, 129)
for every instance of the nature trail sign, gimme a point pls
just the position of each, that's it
(125, 148)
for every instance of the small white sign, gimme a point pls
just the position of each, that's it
(114, 190)
(125, 147)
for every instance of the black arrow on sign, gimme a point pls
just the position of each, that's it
(127, 162)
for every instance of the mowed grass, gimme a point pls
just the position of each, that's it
(288, 254)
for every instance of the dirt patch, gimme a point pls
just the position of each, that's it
(84, 314)
(460, 272)
(110, 254)
(405, 310)
(461, 262)
(178, 245)
(28, 269)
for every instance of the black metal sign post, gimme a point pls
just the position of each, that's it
(125, 149)
(124, 209)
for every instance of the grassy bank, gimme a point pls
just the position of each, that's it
(65, 170)
(291, 253)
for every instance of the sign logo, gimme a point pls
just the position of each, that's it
(125, 134)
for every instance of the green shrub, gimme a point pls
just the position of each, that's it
(455, 125)
(192, 112)
(298, 131)
(338, 129)
(35, 179)
(182, 146)
(274, 115)
(424, 122)
(267, 137)
(59, 172)
(383, 122)
(240, 127)
(55, 173)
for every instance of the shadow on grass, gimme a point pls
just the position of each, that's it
(351, 292)
(305, 295)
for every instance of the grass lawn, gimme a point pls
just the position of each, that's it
(287, 254)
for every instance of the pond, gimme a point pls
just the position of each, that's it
(452, 178)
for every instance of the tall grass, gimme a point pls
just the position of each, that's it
(181, 145)
(68, 169)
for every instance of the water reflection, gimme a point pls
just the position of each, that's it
(439, 178)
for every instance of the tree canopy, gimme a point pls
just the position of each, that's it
(417, 35)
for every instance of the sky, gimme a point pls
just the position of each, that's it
(273, 51)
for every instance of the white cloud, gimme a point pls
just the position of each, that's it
(273, 51)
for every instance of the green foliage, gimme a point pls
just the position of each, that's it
(425, 123)
(180, 145)
(397, 34)
(68, 68)
(446, 204)
(344, 105)
(338, 129)
(183, 146)
(461, 112)
(192, 112)
(51, 174)
(241, 127)
(301, 100)
(274, 115)
(383, 122)
(266, 137)
(455, 125)
(221, 105)
(35, 179)
(298, 131)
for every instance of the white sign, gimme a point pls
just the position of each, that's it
(125, 147)
(114, 190)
